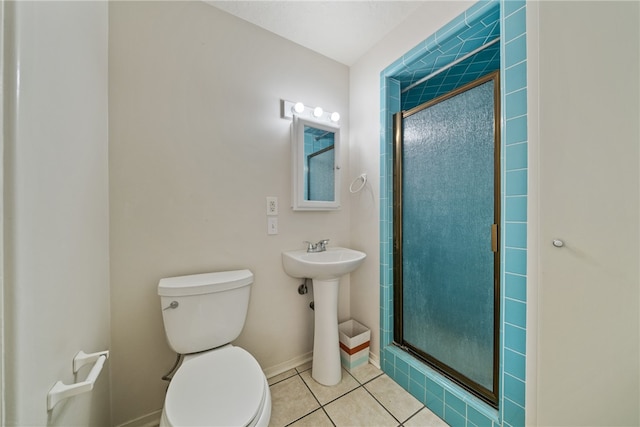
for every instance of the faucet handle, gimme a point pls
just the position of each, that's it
(323, 244)
(310, 246)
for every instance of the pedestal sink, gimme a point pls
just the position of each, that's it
(325, 269)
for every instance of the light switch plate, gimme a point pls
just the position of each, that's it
(272, 225)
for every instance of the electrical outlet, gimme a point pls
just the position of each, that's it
(272, 205)
(272, 225)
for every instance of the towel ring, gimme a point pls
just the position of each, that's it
(363, 178)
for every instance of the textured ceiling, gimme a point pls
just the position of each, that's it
(340, 30)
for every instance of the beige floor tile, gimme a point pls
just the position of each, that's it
(282, 376)
(358, 408)
(365, 373)
(326, 394)
(314, 419)
(393, 397)
(425, 418)
(290, 400)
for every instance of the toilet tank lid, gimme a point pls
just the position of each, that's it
(197, 284)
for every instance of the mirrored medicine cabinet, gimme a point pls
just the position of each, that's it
(315, 148)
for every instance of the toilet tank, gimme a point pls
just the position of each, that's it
(204, 311)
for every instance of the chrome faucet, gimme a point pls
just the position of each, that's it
(321, 246)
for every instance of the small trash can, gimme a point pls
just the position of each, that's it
(354, 344)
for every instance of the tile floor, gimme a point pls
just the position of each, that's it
(364, 397)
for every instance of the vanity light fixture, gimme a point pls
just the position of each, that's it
(289, 109)
(298, 108)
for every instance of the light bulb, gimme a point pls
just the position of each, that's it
(317, 112)
(298, 107)
(335, 116)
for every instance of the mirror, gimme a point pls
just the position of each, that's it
(315, 148)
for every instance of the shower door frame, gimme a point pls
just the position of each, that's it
(489, 396)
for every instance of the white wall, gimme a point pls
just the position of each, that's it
(196, 144)
(56, 206)
(364, 150)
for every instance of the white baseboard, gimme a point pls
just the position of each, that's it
(374, 360)
(297, 361)
(149, 420)
(289, 364)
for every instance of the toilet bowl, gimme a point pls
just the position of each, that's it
(223, 387)
(217, 384)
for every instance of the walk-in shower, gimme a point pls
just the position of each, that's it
(446, 214)
(476, 27)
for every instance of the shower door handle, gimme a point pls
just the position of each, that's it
(494, 237)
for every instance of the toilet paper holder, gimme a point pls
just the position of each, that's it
(61, 391)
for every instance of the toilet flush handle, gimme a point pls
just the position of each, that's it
(174, 304)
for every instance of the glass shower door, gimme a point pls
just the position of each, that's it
(446, 270)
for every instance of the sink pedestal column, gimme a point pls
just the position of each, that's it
(326, 368)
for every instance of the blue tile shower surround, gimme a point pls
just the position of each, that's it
(475, 27)
(466, 71)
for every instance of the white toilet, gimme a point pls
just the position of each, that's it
(217, 384)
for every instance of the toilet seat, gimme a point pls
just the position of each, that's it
(223, 387)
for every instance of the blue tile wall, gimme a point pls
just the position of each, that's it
(466, 71)
(480, 23)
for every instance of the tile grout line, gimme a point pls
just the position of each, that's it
(414, 414)
(331, 401)
(361, 384)
(318, 401)
(384, 407)
(314, 396)
(322, 406)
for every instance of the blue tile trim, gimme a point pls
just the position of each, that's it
(515, 313)
(516, 130)
(515, 364)
(515, 287)
(517, 156)
(515, 338)
(415, 61)
(515, 208)
(417, 377)
(514, 24)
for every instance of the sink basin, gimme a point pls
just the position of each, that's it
(330, 264)
(325, 269)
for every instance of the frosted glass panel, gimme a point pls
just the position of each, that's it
(448, 210)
